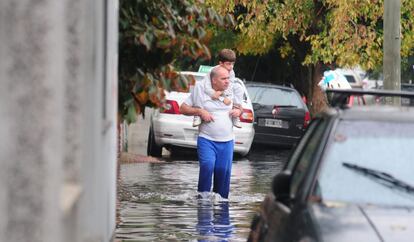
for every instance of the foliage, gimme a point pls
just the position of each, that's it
(344, 32)
(317, 32)
(152, 35)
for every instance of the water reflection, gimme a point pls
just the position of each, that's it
(213, 220)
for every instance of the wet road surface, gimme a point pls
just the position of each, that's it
(164, 204)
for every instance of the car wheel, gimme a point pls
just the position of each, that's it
(244, 154)
(152, 148)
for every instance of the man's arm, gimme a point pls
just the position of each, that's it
(189, 110)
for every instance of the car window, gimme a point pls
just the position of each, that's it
(302, 143)
(382, 146)
(350, 78)
(253, 91)
(307, 156)
(245, 94)
(274, 96)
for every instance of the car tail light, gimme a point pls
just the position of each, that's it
(171, 107)
(247, 116)
(307, 119)
(304, 99)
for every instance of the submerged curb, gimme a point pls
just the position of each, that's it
(126, 158)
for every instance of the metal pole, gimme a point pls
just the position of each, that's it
(392, 47)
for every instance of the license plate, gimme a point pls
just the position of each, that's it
(274, 123)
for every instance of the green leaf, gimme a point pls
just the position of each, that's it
(131, 116)
(164, 43)
(144, 40)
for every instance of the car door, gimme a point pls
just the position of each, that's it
(288, 221)
(299, 224)
(270, 224)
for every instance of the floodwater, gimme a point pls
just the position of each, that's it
(164, 204)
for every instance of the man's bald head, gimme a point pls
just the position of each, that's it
(216, 70)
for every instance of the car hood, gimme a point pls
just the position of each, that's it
(344, 222)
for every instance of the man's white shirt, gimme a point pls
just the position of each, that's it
(221, 129)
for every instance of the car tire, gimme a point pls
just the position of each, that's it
(152, 148)
(244, 154)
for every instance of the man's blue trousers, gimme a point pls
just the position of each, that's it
(215, 158)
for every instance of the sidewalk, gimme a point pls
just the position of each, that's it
(138, 138)
(138, 134)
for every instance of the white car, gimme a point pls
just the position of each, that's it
(169, 128)
(352, 77)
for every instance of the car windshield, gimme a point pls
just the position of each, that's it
(369, 162)
(273, 96)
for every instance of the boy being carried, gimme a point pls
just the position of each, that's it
(233, 94)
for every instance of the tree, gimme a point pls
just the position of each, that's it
(153, 34)
(317, 32)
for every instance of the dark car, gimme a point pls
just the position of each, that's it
(350, 178)
(280, 114)
(409, 87)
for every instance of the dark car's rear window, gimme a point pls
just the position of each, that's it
(274, 96)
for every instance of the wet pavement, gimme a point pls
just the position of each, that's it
(163, 205)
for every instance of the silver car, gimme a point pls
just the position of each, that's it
(169, 128)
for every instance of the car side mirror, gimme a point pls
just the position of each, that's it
(281, 186)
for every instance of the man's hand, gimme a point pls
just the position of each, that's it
(235, 112)
(216, 95)
(206, 116)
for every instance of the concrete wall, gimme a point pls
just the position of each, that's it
(58, 102)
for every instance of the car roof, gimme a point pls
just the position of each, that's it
(376, 113)
(268, 85)
(193, 73)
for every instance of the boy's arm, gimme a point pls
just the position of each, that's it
(238, 92)
(208, 89)
(192, 105)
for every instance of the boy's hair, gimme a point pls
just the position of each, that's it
(226, 55)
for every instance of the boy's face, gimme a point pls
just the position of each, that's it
(227, 64)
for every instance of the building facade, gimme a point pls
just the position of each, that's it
(58, 109)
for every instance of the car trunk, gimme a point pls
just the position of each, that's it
(285, 120)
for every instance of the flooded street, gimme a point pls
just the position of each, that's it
(164, 204)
